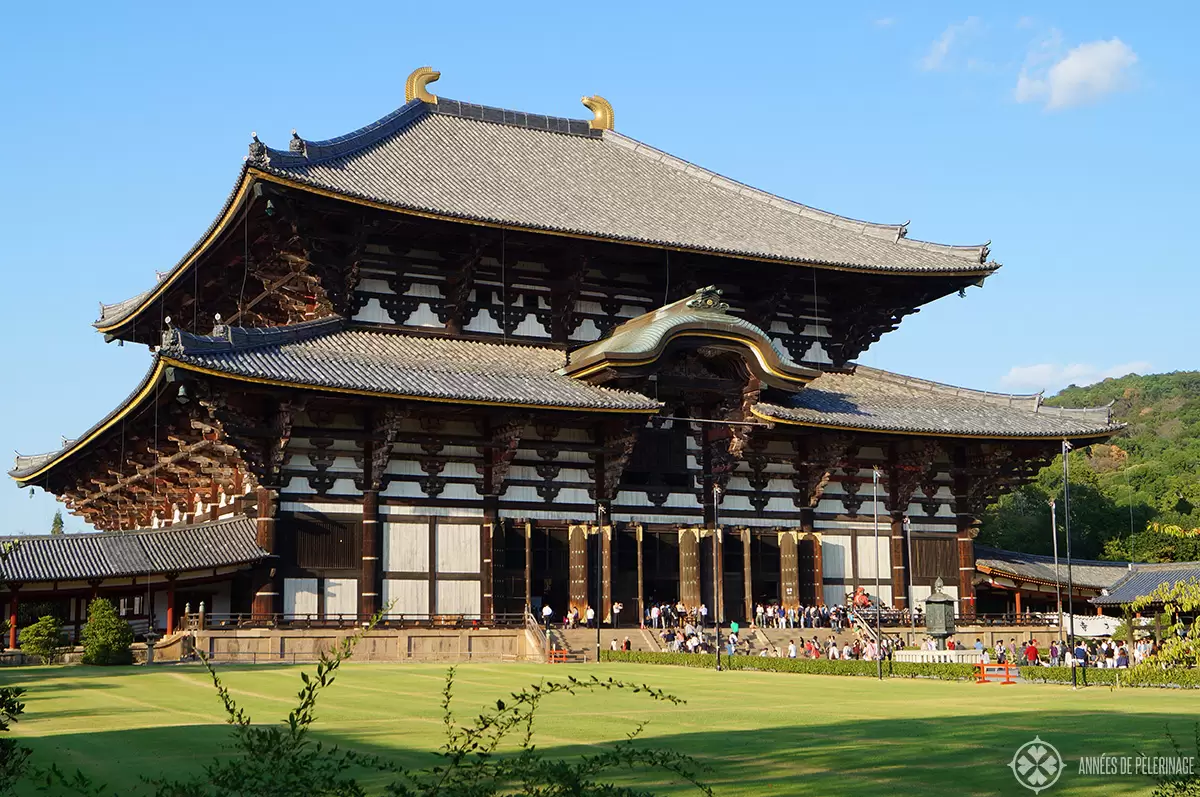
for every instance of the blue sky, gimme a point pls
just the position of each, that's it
(1064, 133)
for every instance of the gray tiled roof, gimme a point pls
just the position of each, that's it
(1145, 578)
(870, 399)
(324, 354)
(1034, 567)
(473, 162)
(488, 164)
(71, 557)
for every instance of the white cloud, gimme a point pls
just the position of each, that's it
(885, 22)
(939, 51)
(1026, 22)
(1053, 376)
(1085, 74)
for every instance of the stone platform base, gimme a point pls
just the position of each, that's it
(254, 645)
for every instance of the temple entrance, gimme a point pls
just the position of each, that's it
(660, 565)
(764, 567)
(550, 572)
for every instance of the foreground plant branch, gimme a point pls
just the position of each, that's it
(492, 754)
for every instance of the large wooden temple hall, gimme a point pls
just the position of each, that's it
(467, 360)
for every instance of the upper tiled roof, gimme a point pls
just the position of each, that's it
(874, 400)
(323, 354)
(1145, 578)
(1036, 568)
(71, 557)
(473, 162)
(544, 173)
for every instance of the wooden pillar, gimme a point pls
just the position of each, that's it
(747, 576)
(818, 575)
(266, 594)
(370, 586)
(789, 569)
(641, 595)
(689, 567)
(967, 529)
(578, 568)
(899, 565)
(487, 538)
(718, 550)
(604, 612)
(529, 565)
(12, 617)
(170, 604)
(1017, 592)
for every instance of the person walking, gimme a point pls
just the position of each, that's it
(591, 616)
(547, 613)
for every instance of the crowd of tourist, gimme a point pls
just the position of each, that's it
(1102, 653)
(774, 615)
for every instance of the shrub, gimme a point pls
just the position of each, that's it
(106, 638)
(894, 669)
(44, 639)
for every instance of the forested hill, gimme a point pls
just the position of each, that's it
(1146, 481)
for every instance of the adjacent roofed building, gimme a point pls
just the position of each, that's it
(1143, 579)
(464, 359)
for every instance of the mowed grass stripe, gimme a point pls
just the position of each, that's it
(763, 733)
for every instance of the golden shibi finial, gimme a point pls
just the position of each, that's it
(602, 109)
(414, 87)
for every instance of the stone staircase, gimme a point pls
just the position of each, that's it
(581, 642)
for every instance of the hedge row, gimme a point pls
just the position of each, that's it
(1177, 678)
(894, 669)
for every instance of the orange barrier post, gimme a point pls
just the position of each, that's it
(1008, 679)
(981, 678)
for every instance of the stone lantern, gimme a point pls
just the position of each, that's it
(939, 615)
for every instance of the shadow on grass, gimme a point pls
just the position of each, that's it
(953, 756)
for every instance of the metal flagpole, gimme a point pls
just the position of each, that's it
(716, 499)
(1057, 574)
(1066, 450)
(906, 525)
(599, 573)
(878, 600)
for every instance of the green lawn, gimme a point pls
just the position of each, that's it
(763, 733)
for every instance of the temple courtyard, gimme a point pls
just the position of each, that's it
(761, 733)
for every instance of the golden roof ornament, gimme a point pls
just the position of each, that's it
(602, 110)
(414, 87)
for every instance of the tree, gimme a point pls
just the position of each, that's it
(107, 638)
(44, 639)
(1148, 472)
(56, 525)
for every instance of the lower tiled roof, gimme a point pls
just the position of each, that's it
(1031, 567)
(177, 549)
(874, 400)
(1144, 579)
(324, 354)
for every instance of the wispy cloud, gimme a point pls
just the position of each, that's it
(953, 35)
(885, 22)
(1084, 75)
(1053, 376)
